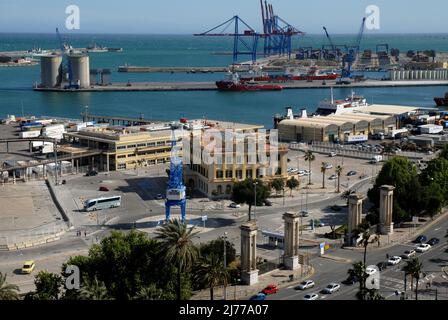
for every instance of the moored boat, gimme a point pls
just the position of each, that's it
(232, 82)
(442, 102)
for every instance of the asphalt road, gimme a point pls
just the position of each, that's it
(391, 279)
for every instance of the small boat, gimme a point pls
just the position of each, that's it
(442, 102)
(232, 83)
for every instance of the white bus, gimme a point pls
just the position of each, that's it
(102, 203)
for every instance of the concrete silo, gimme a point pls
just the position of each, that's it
(50, 67)
(80, 70)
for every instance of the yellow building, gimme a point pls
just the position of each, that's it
(121, 148)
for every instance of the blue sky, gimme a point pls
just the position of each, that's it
(192, 16)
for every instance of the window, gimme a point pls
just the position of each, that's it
(229, 173)
(239, 174)
(248, 173)
(121, 147)
(151, 144)
(131, 146)
(122, 157)
(141, 145)
(219, 174)
(121, 166)
(219, 189)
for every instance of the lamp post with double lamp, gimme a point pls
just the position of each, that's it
(224, 238)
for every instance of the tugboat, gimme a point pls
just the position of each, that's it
(442, 102)
(232, 82)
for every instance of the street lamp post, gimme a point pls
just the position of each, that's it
(224, 237)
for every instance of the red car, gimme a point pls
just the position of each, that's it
(270, 289)
(104, 189)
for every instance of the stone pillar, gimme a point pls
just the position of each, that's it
(354, 212)
(249, 272)
(386, 209)
(291, 240)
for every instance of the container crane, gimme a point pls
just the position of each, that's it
(244, 43)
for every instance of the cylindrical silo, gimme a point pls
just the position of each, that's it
(80, 70)
(50, 70)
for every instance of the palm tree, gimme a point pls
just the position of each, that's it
(364, 228)
(339, 172)
(150, 292)
(8, 291)
(310, 157)
(414, 268)
(178, 248)
(211, 272)
(346, 195)
(359, 271)
(94, 290)
(323, 170)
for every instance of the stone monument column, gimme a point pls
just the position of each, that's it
(386, 209)
(249, 272)
(291, 240)
(354, 215)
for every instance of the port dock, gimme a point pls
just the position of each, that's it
(136, 69)
(210, 86)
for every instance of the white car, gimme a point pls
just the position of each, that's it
(408, 254)
(328, 166)
(371, 270)
(306, 285)
(423, 247)
(332, 287)
(394, 260)
(332, 154)
(312, 296)
(333, 177)
(234, 205)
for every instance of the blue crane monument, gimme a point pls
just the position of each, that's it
(176, 191)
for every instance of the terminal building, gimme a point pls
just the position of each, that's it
(362, 121)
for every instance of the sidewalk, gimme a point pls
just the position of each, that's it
(243, 292)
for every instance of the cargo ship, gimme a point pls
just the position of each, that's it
(313, 74)
(232, 82)
(442, 102)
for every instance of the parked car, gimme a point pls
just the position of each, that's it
(28, 267)
(394, 260)
(305, 285)
(423, 247)
(267, 203)
(433, 241)
(331, 288)
(332, 154)
(91, 173)
(408, 254)
(234, 205)
(351, 173)
(420, 239)
(333, 177)
(258, 296)
(270, 289)
(102, 188)
(328, 166)
(304, 213)
(311, 296)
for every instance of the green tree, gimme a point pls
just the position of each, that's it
(292, 184)
(94, 290)
(278, 185)
(217, 247)
(150, 292)
(402, 174)
(323, 170)
(310, 157)
(339, 170)
(414, 268)
(177, 244)
(359, 271)
(211, 272)
(346, 195)
(48, 287)
(8, 291)
(244, 192)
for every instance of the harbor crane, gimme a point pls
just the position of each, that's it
(176, 190)
(244, 42)
(350, 57)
